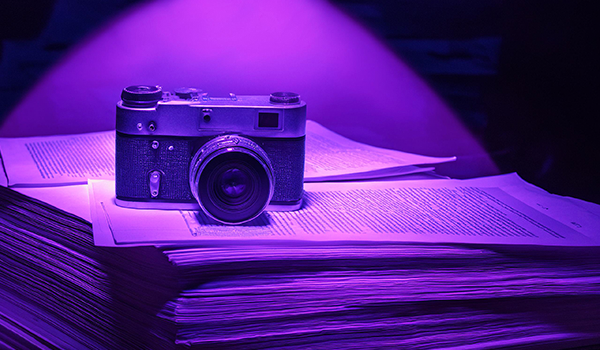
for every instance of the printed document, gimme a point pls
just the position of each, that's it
(496, 210)
(330, 156)
(58, 160)
(72, 159)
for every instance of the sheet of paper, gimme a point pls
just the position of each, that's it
(73, 199)
(3, 178)
(330, 156)
(58, 160)
(72, 159)
(437, 211)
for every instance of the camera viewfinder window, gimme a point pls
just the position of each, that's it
(268, 120)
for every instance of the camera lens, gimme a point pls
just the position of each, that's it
(232, 179)
(141, 96)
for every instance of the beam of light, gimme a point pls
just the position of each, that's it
(351, 82)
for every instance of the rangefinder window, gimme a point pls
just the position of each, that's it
(268, 120)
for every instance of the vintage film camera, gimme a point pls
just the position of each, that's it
(232, 156)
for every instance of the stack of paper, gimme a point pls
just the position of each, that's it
(483, 263)
(60, 291)
(384, 296)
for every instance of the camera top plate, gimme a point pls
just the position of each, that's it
(190, 113)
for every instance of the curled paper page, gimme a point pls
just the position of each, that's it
(330, 156)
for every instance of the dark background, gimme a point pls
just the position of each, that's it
(522, 75)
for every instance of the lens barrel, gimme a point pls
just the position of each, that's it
(232, 179)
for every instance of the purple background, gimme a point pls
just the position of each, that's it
(510, 81)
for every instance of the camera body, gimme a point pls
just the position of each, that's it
(232, 156)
